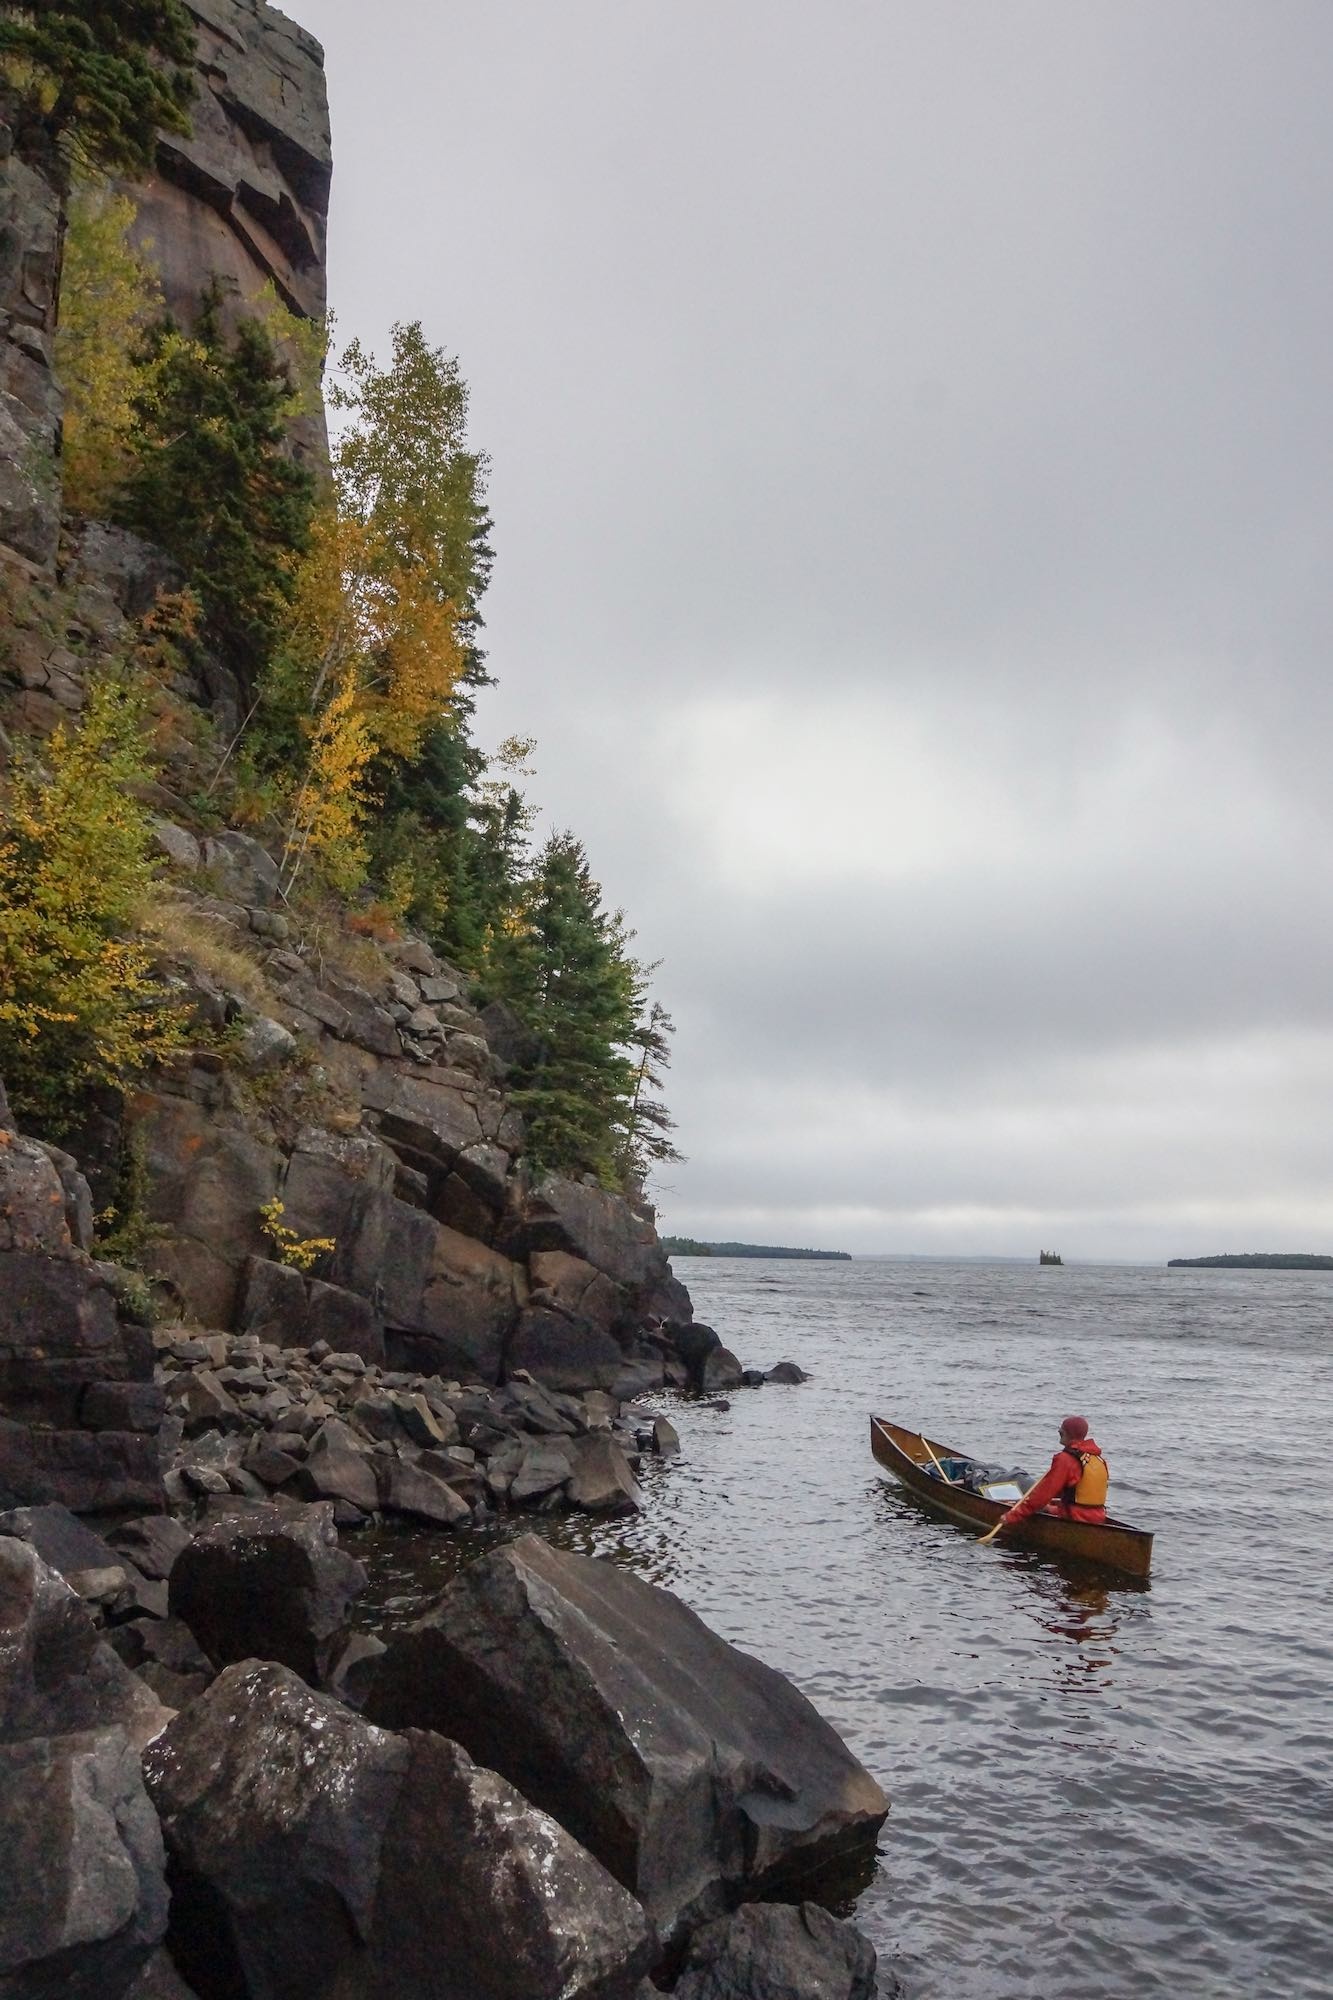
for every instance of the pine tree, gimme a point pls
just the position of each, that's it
(648, 1124)
(566, 971)
(103, 76)
(211, 482)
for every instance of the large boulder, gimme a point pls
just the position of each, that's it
(85, 1897)
(772, 1951)
(448, 1302)
(566, 1354)
(57, 1675)
(599, 1228)
(696, 1774)
(102, 1472)
(64, 1543)
(268, 1585)
(207, 1186)
(314, 1854)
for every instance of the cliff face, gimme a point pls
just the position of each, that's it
(243, 202)
(352, 1083)
(245, 199)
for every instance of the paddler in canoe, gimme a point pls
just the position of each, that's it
(1075, 1487)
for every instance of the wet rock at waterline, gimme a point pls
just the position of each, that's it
(315, 1854)
(694, 1773)
(773, 1951)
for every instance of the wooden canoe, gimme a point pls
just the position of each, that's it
(904, 1453)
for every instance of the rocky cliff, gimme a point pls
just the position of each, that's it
(241, 203)
(245, 199)
(351, 1083)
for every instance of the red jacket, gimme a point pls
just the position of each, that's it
(1058, 1486)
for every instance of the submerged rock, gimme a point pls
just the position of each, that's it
(694, 1773)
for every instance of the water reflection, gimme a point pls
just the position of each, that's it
(1085, 1616)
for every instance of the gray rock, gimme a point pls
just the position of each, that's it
(695, 1773)
(179, 847)
(57, 1675)
(563, 1353)
(63, 1542)
(772, 1951)
(786, 1371)
(329, 1856)
(90, 1473)
(602, 1481)
(268, 1585)
(546, 1466)
(245, 871)
(85, 1897)
(152, 1543)
(266, 1045)
(345, 1320)
(274, 1303)
(160, 1980)
(721, 1370)
(353, 1671)
(406, 1489)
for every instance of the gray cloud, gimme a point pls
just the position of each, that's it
(912, 487)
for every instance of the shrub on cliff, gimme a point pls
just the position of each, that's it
(103, 76)
(79, 1006)
(211, 482)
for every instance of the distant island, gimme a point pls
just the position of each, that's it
(685, 1246)
(1049, 1257)
(1253, 1260)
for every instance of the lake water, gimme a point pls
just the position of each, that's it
(1100, 1791)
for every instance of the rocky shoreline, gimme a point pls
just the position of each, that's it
(558, 1783)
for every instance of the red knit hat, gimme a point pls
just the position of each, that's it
(1074, 1427)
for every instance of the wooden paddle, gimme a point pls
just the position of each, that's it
(935, 1462)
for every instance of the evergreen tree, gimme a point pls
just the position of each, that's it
(567, 974)
(106, 75)
(211, 482)
(648, 1123)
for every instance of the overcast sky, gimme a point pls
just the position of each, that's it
(910, 428)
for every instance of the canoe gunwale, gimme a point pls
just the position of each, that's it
(1113, 1543)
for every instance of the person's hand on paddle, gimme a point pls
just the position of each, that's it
(1003, 1522)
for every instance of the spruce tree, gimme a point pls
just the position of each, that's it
(648, 1124)
(212, 483)
(106, 75)
(568, 975)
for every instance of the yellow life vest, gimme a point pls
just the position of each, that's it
(1094, 1480)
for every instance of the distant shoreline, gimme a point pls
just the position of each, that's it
(1253, 1260)
(687, 1246)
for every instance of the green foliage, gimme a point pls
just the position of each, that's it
(565, 969)
(211, 482)
(109, 296)
(101, 76)
(79, 1005)
(648, 1125)
(404, 467)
